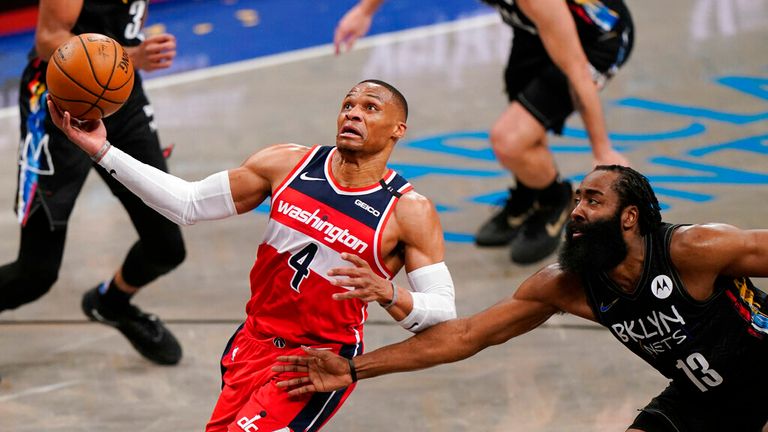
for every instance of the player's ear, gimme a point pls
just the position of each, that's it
(630, 217)
(399, 130)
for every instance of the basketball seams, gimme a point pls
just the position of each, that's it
(93, 72)
(71, 79)
(87, 96)
(64, 72)
(114, 63)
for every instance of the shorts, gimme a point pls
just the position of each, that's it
(676, 410)
(250, 400)
(532, 78)
(52, 170)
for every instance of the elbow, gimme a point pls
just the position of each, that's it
(45, 44)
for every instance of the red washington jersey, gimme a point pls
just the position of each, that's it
(312, 220)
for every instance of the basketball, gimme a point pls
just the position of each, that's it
(90, 75)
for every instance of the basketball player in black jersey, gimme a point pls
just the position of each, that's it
(52, 171)
(678, 296)
(563, 52)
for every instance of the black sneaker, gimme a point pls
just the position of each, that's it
(145, 331)
(500, 229)
(543, 230)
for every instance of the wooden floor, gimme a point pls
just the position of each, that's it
(690, 110)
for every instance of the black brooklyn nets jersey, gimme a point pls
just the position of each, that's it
(119, 19)
(593, 18)
(707, 347)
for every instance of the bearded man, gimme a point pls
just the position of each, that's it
(678, 296)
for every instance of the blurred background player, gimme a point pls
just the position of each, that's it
(52, 172)
(563, 52)
(330, 206)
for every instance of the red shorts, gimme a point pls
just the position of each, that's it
(250, 401)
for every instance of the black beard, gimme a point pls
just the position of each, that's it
(600, 247)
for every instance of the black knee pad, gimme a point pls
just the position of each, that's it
(146, 262)
(19, 286)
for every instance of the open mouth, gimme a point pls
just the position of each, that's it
(350, 131)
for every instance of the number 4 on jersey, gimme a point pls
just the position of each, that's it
(300, 263)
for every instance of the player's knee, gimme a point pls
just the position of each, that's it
(25, 286)
(41, 282)
(507, 144)
(170, 256)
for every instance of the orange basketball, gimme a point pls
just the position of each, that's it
(90, 75)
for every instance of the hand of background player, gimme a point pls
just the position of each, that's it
(88, 135)
(367, 285)
(610, 157)
(353, 25)
(325, 371)
(156, 52)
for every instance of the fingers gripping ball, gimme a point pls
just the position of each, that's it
(90, 75)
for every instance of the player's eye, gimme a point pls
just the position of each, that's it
(372, 107)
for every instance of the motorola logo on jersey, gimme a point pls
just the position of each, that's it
(661, 286)
(367, 208)
(332, 232)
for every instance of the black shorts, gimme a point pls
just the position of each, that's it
(538, 84)
(677, 410)
(52, 170)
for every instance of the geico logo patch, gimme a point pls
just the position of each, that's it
(367, 208)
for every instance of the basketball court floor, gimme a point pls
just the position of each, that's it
(690, 110)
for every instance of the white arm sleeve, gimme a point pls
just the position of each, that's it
(433, 297)
(180, 201)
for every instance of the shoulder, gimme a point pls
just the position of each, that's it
(552, 285)
(277, 156)
(279, 153)
(690, 239)
(414, 209)
(416, 219)
(702, 246)
(414, 202)
(271, 164)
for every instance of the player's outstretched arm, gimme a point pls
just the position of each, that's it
(447, 342)
(354, 24)
(220, 195)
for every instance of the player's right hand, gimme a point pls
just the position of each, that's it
(325, 371)
(364, 284)
(156, 52)
(353, 25)
(89, 135)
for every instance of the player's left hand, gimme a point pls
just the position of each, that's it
(367, 285)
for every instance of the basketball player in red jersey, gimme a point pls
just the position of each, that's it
(330, 206)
